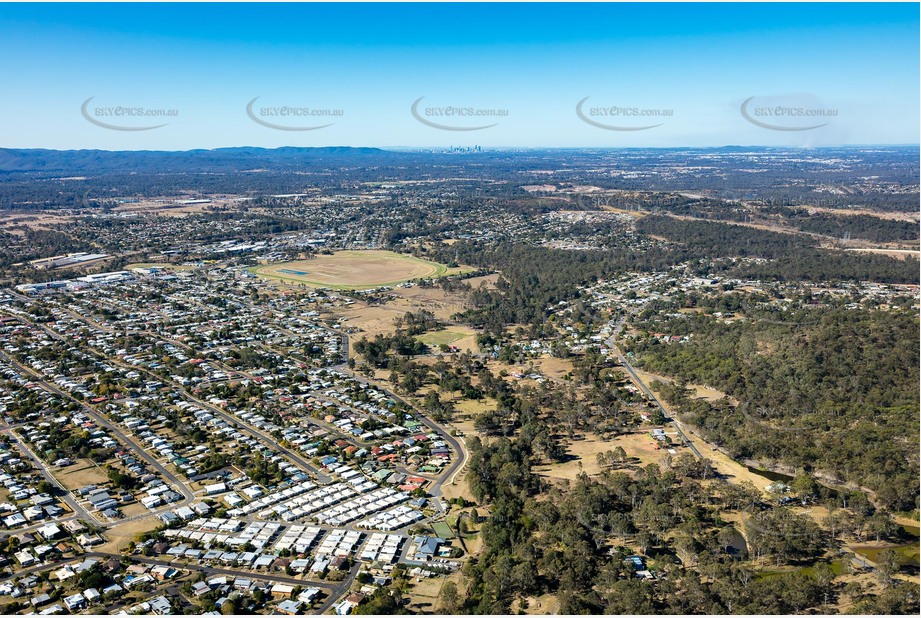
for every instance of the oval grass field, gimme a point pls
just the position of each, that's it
(355, 270)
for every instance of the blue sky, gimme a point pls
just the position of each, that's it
(692, 66)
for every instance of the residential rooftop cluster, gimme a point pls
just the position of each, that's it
(203, 403)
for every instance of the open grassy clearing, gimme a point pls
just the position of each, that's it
(371, 320)
(119, 536)
(458, 489)
(423, 593)
(902, 254)
(460, 337)
(134, 509)
(640, 447)
(545, 604)
(174, 206)
(474, 407)
(82, 473)
(553, 368)
(442, 337)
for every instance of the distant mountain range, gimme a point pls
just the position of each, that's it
(217, 160)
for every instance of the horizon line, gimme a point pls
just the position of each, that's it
(482, 148)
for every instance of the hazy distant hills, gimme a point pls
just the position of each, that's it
(217, 160)
(33, 179)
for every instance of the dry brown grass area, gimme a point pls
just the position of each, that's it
(459, 489)
(544, 604)
(423, 594)
(134, 509)
(353, 268)
(357, 269)
(902, 254)
(639, 445)
(636, 214)
(892, 216)
(119, 536)
(487, 281)
(700, 391)
(462, 338)
(17, 222)
(554, 368)
(159, 207)
(168, 207)
(372, 320)
(473, 407)
(82, 473)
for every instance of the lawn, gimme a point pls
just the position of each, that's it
(443, 337)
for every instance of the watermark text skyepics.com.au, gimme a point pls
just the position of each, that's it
(622, 117)
(291, 117)
(455, 117)
(125, 117)
(784, 111)
(796, 112)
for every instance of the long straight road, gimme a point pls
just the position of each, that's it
(256, 433)
(642, 386)
(78, 510)
(188, 496)
(333, 590)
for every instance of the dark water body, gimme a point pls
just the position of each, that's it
(771, 476)
(907, 555)
(738, 546)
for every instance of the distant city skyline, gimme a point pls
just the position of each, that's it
(188, 76)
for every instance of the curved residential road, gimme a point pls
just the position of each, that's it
(457, 466)
(462, 455)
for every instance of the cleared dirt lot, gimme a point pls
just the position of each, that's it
(157, 265)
